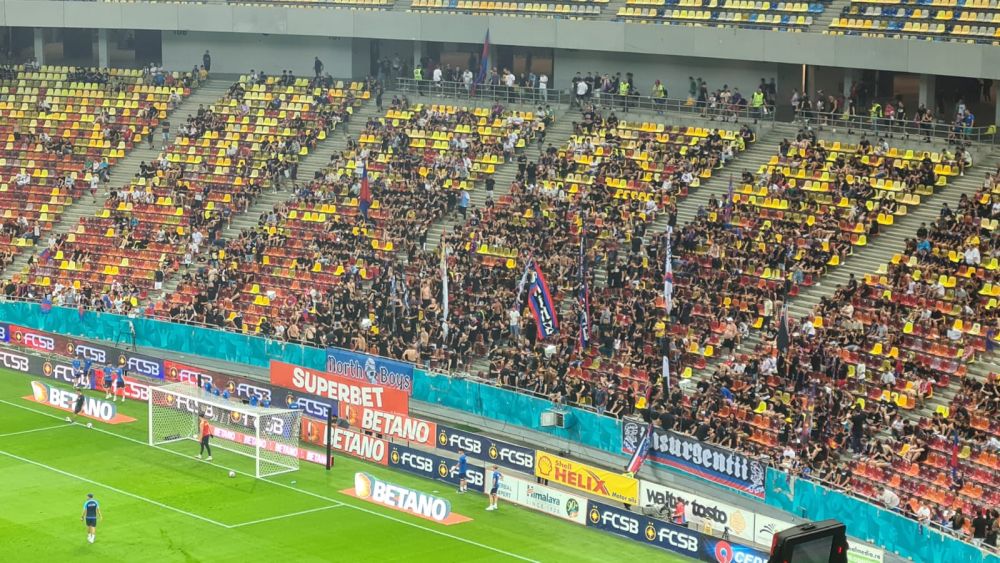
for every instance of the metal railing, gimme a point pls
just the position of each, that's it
(549, 96)
(903, 510)
(883, 126)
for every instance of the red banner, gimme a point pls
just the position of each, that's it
(38, 340)
(341, 389)
(362, 446)
(178, 372)
(391, 425)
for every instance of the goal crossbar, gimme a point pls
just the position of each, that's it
(268, 435)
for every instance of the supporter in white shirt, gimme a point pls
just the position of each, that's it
(543, 85)
(437, 76)
(972, 257)
(508, 79)
(22, 179)
(807, 328)
(467, 79)
(889, 498)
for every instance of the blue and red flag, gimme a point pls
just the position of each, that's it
(365, 197)
(954, 455)
(583, 298)
(641, 452)
(484, 63)
(46, 304)
(541, 304)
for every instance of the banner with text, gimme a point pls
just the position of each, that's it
(434, 466)
(669, 537)
(246, 388)
(361, 446)
(372, 369)
(487, 449)
(390, 425)
(337, 388)
(687, 454)
(544, 499)
(583, 477)
(716, 515)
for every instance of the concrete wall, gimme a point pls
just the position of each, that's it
(237, 53)
(674, 70)
(928, 57)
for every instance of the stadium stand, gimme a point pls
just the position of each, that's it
(420, 160)
(64, 128)
(972, 20)
(786, 16)
(176, 206)
(568, 9)
(866, 354)
(607, 184)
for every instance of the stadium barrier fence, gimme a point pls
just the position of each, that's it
(459, 92)
(883, 126)
(887, 528)
(797, 496)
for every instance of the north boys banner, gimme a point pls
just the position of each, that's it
(586, 478)
(713, 463)
(341, 389)
(541, 304)
(372, 369)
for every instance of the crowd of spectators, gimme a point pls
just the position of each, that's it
(832, 405)
(346, 288)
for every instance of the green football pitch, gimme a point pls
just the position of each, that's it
(161, 504)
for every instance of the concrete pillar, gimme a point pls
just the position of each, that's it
(851, 75)
(418, 53)
(996, 102)
(39, 50)
(925, 93)
(102, 49)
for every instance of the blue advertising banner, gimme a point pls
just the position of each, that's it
(373, 369)
(433, 466)
(487, 449)
(685, 453)
(4, 332)
(669, 537)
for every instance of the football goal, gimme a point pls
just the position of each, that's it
(268, 435)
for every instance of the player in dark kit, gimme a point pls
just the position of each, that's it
(91, 513)
(77, 406)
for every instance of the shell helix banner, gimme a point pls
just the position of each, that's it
(586, 478)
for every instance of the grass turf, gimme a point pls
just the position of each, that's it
(160, 504)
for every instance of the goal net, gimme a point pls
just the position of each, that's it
(268, 435)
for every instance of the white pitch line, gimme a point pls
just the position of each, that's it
(305, 492)
(34, 430)
(282, 516)
(113, 489)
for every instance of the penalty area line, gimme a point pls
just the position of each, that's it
(34, 430)
(283, 516)
(114, 489)
(305, 492)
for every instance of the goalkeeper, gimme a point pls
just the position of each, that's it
(206, 433)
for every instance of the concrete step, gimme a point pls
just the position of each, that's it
(315, 161)
(121, 174)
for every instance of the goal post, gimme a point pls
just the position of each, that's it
(270, 436)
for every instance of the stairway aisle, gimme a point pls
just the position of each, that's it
(557, 134)
(125, 169)
(309, 165)
(880, 250)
